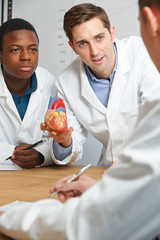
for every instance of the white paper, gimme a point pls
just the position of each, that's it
(8, 166)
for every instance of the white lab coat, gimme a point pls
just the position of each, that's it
(124, 205)
(14, 131)
(135, 79)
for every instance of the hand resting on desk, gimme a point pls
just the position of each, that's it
(26, 158)
(72, 189)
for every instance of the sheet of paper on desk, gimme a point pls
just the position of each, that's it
(9, 166)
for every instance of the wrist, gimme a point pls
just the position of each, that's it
(66, 144)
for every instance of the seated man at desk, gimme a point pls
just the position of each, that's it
(125, 204)
(104, 88)
(24, 95)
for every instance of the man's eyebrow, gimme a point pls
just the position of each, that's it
(83, 40)
(19, 45)
(80, 41)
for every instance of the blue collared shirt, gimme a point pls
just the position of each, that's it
(22, 102)
(102, 87)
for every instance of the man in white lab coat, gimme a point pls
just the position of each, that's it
(106, 85)
(24, 96)
(124, 205)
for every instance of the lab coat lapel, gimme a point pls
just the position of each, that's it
(116, 94)
(87, 92)
(7, 102)
(120, 78)
(34, 101)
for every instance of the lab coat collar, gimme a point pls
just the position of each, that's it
(3, 88)
(123, 61)
(34, 101)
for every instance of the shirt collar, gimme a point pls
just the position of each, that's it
(33, 82)
(32, 88)
(93, 77)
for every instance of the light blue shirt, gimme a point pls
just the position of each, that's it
(101, 88)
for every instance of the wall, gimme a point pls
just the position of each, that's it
(55, 53)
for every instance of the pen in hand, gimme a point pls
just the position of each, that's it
(75, 176)
(29, 147)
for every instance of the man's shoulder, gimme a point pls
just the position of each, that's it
(73, 68)
(131, 43)
(42, 73)
(41, 70)
(45, 80)
(133, 48)
(130, 40)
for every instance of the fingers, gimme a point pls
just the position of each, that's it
(21, 147)
(43, 126)
(64, 138)
(72, 189)
(25, 158)
(63, 196)
(59, 183)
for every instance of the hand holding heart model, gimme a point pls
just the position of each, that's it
(55, 117)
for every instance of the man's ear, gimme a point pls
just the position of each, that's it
(72, 46)
(113, 33)
(153, 19)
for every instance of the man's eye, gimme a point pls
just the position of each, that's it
(82, 44)
(15, 50)
(34, 50)
(100, 37)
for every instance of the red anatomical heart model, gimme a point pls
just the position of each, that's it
(55, 117)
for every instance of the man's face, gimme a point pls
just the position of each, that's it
(93, 43)
(20, 54)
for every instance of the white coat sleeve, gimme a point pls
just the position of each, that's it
(45, 149)
(123, 205)
(79, 135)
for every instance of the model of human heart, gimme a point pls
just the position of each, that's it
(55, 117)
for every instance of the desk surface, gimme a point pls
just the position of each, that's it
(34, 184)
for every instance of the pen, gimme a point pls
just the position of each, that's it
(73, 178)
(29, 147)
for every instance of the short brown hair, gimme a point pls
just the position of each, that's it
(81, 13)
(149, 3)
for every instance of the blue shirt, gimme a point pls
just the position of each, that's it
(22, 102)
(102, 87)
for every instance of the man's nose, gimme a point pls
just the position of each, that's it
(93, 49)
(25, 55)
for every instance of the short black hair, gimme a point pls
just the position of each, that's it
(14, 25)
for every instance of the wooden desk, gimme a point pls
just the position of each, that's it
(34, 184)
